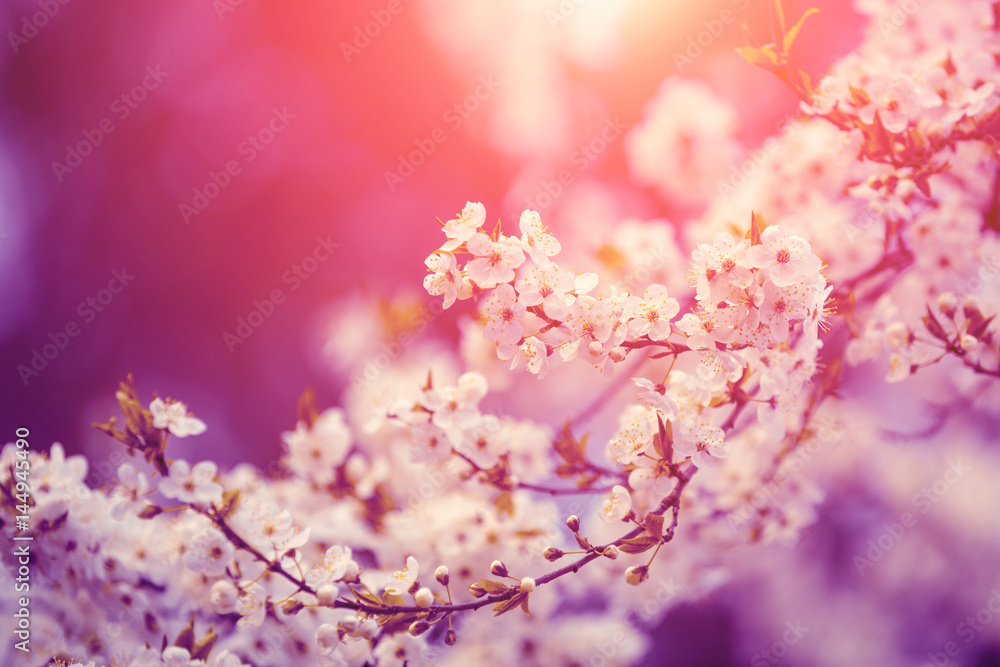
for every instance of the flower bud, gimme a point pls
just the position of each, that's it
(418, 628)
(611, 551)
(552, 554)
(327, 594)
(224, 597)
(595, 347)
(424, 598)
(971, 308)
(327, 636)
(369, 628)
(150, 511)
(441, 574)
(618, 354)
(477, 591)
(947, 304)
(636, 574)
(897, 334)
(573, 523)
(450, 638)
(292, 607)
(527, 585)
(968, 342)
(498, 569)
(353, 570)
(349, 623)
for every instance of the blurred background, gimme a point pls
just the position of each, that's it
(202, 149)
(192, 192)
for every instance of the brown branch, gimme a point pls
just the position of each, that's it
(671, 501)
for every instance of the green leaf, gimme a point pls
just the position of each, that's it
(636, 545)
(504, 606)
(933, 326)
(663, 442)
(977, 330)
(923, 184)
(654, 524)
(859, 97)
(493, 587)
(763, 57)
(793, 33)
(185, 639)
(755, 230)
(368, 597)
(779, 18)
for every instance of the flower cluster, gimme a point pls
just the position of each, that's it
(749, 294)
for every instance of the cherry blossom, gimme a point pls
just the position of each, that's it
(779, 306)
(495, 260)
(654, 396)
(705, 329)
(589, 319)
(174, 416)
(446, 279)
(548, 286)
(251, 606)
(462, 228)
(316, 451)
(704, 443)
(654, 314)
(336, 563)
(456, 406)
(401, 580)
(634, 435)
(503, 312)
(210, 552)
(130, 492)
(192, 485)
(720, 268)
(617, 505)
(536, 241)
(785, 257)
